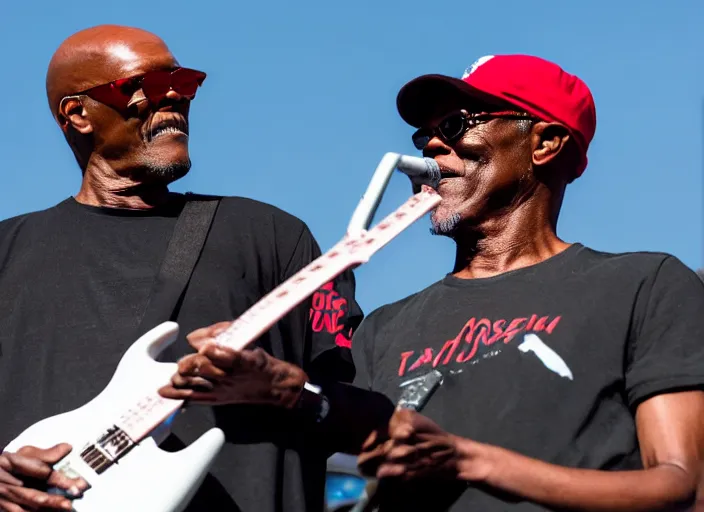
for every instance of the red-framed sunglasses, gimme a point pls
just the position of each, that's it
(453, 127)
(154, 84)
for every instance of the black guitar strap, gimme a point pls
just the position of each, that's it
(182, 254)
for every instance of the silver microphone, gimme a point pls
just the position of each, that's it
(422, 171)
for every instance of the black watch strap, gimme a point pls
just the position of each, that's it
(313, 401)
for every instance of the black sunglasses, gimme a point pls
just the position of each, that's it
(453, 127)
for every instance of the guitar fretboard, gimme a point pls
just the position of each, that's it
(350, 251)
(150, 412)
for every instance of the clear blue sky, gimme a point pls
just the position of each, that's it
(299, 106)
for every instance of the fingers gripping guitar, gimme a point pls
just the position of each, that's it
(35, 464)
(129, 411)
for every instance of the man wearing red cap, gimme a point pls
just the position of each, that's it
(572, 378)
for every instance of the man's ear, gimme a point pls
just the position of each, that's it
(72, 113)
(549, 140)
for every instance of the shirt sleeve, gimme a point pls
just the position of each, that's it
(333, 316)
(363, 352)
(666, 349)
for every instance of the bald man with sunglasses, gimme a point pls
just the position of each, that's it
(77, 278)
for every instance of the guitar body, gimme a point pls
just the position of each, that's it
(148, 478)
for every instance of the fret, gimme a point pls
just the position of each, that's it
(147, 414)
(297, 288)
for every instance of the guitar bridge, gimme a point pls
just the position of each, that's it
(107, 449)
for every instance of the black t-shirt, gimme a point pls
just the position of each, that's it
(550, 361)
(74, 282)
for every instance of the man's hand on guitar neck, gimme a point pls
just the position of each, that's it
(217, 375)
(26, 474)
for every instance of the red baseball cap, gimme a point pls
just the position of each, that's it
(531, 84)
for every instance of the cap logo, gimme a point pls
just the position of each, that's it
(471, 69)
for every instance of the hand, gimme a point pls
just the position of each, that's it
(33, 466)
(416, 447)
(218, 375)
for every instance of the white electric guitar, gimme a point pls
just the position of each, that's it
(115, 436)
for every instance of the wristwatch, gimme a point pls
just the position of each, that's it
(312, 400)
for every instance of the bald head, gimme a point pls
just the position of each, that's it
(100, 55)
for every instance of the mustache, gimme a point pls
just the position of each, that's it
(163, 120)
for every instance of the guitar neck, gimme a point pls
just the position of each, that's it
(351, 251)
(275, 305)
(146, 415)
(355, 249)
